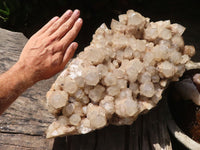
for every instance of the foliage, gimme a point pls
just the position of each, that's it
(13, 12)
(4, 13)
(23, 15)
(26, 15)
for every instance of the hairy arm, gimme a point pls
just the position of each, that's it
(45, 54)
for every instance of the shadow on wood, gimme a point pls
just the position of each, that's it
(148, 132)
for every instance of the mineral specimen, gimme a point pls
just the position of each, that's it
(120, 75)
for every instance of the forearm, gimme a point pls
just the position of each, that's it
(13, 83)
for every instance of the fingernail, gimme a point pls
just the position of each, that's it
(75, 45)
(80, 20)
(76, 11)
(55, 18)
(68, 12)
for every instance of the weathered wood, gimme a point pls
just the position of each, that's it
(16, 141)
(23, 125)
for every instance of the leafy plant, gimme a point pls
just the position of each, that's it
(4, 12)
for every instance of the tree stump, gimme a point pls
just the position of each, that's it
(23, 125)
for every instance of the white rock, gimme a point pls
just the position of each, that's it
(167, 69)
(69, 109)
(113, 90)
(123, 19)
(102, 69)
(122, 83)
(108, 104)
(128, 53)
(151, 32)
(74, 119)
(63, 120)
(57, 99)
(85, 126)
(135, 18)
(134, 87)
(92, 76)
(133, 68)
(178, 41)
(126, 107)
(117, 26)
(110, 79)
(144, 77)
(97, 93)
(70, 86)
(97, 116)
(175, 57)
(79, 81)
(121, 74)
(126, 93)
(177, 28)
(189, 50)
(165, 34)
(147, 89)
(79, 94)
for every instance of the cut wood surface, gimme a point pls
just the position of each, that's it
(23, 125)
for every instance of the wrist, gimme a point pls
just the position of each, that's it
(14, 81)
(23, 74)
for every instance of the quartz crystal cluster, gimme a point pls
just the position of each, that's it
(121, 74)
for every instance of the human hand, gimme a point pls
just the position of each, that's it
(48, 51)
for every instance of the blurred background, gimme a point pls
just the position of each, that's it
(28, 16)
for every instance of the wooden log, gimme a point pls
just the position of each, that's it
(148, 132)
(23, 124)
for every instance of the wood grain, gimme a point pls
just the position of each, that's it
(23, 125)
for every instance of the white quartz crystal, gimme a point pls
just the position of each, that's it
(147, 89)
(57, 99)
(91, 76)
(108, 104)
(97, 116)
(121, 74)
(69, 85)
(68, 109)
(96, 93)
(167, 69)
(126, 107)
(74, 119)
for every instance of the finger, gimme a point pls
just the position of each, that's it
(49, 24)
(59, 22)
(69, 53)
(71, 35)
(65, 27)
